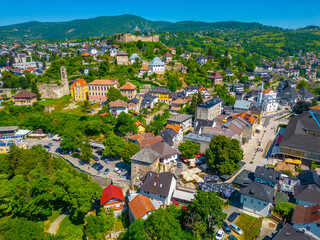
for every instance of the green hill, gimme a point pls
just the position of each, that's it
(109, 25)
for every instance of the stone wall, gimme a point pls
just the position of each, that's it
(53, 90)
(125, 38)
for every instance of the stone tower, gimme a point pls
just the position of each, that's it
(64, 80)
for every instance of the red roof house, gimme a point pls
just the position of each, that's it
(112, 197)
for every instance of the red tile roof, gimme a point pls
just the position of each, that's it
(128, 86)
(118, 103)
(85, 54)
(304, 214)
(81, 81)
(111, 192)
(140, 206)
(147, 142)
(103, 82)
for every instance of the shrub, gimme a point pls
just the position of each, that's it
(284, 209)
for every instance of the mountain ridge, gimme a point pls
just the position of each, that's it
(110, 25)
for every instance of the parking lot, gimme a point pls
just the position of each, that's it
(106, 163)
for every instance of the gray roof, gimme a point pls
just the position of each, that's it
(134, 56)
(122, 53)
(179, 118)
(242, 104)
(288, 232)
(267, 174)
(9, 128)
(244, 178)
(146, 155)
(156, 61)
(168, 135)
(259, 191)
(158, 183)
(309, 177)
(164, 149)
(160, 90)
(296, 134)
(308, 193)
(289, 93)
(305, 93)
(197, 137)
(210, 103)
(200, 123)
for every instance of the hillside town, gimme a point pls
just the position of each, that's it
(182, 125)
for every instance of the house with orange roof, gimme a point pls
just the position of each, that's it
(79, 90)
(141, 128)
(144, 69)
(140, 207)
(250, 119)
(167, 57)
(98, 89)
(84, 55)
(129, 90)
(177, 129)
(117, 107)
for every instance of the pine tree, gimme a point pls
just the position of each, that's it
(35, 89)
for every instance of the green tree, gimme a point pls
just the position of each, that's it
(302, 84)
(113, 146)
(125, 124)
(21, 229)
(314, 102)
(224, 154)
(284, 209)
(136, 231)
(35, 89)
(188, 149)
(85, 106)
(86, 151)
(114, 94)
(97, 226)
(301, 106)
(204, 214)
(129, 150)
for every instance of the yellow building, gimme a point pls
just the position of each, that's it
(163, 94)
(79, 90)
(141, 128)
(5, 146)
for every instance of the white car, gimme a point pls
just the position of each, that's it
(117, 170)
(219, 235)
(236, 228)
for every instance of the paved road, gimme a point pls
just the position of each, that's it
(56, 224)
(268, 133)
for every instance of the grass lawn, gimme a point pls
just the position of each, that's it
(59, 104)
(67, 224)
(250, 226)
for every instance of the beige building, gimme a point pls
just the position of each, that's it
(122, 58)
(25, 97)
(98, 89)
(142, 162)
(209, 110)
(129, 90)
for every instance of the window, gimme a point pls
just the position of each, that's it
(251, 200)
(308, 228)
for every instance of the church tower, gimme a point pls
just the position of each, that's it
(64, 81)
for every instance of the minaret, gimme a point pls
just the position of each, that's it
(64, 77)
(260, 94)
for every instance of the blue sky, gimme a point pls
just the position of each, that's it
(283, 13)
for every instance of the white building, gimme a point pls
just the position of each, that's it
(159, 186)
(157, 66)
(269, 101)
(257, 198)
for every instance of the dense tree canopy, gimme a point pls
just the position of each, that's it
(224, 154)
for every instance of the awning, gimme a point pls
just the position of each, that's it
(293, 161)
(279, 139)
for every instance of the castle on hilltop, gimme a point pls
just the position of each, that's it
(127, 37)
(54, 90)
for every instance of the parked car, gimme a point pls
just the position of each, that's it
(219, 235)
(106, 171)
(96, 158)
(231, 237)
(236, 229)
(99, 167)
(179, 164)
(232, 216)
(107, 161)
(46, 146)
(226, 228)
(58, 150)
(117, 170)
(50, 144)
